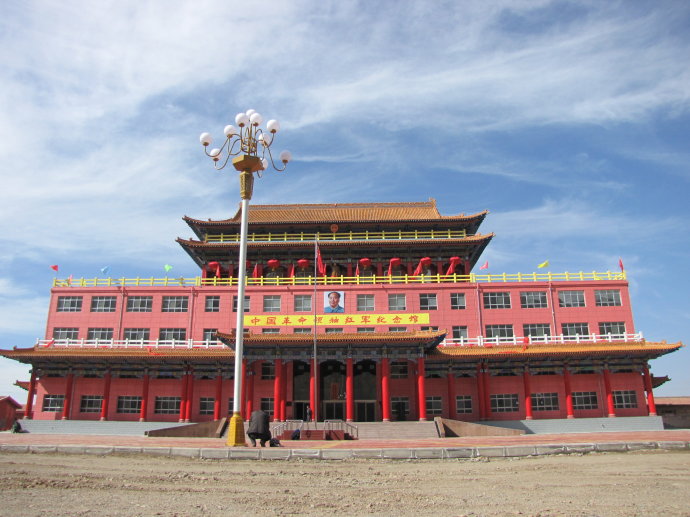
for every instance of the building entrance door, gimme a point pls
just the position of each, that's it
(333, 410)
(365, 411)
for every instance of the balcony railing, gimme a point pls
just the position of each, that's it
(339, 236)
(482, 342)
(490, 342)
(472, 278)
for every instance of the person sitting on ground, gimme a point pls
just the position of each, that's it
(259, 428)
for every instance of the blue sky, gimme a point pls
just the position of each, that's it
(569, 121)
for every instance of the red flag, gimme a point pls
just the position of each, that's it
(54, 267)
(69, 280)
(257, 271)
(320, 267)
(291, 271)
(357, 270)
(50, 343)
(485, 265)
(620, 264)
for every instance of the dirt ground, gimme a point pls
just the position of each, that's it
(625, 484)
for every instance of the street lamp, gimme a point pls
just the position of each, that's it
(251, 147)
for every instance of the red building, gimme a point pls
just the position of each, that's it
(410, 333)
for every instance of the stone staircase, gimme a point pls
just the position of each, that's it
(395, 430)
(92, 427)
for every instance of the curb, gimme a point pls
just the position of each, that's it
(402, 453)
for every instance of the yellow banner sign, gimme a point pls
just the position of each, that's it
(337, 320)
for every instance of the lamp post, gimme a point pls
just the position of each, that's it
(250, 145)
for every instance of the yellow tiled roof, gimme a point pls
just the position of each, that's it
(343, 212)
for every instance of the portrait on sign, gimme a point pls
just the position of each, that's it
(334, 302)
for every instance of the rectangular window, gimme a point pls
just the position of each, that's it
(139, 303)
(365, 302)
(167, 405)
(397, 302)
(502, 330)
(571, 298)
(432, 328)
(172, 334)
(270, 330)
(434, 406)
(206, 405)
(504, 403)
(272, 303)
(99, 333)
(103, 303)
(400, 407)
(544, 401)
(607, 298)
(457, 301)
(533, 300)
(231, 401)
(497, 300)
(175, 303)
(302, 330)
(334, 331)
(399, 370)
(268, 370)
(212, 304)
(210, 335)
(536, 329)
(69, 304)
(365, 329)
(90, 404)
(585, 400)
(575, 329)
(427, 302)
(624, 399)
(616, 328)
(460, 332)
(128, 404)
(246, 303)
(397, 329)
(53, 403)
(65, 333)
(267, 405)
(303, 303)
(463, 404)
(137, 334)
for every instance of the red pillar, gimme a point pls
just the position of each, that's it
(385, 389)
(277, 384)
(219, 395)
(480, 392)
(249, 391)
(452, 407)
(29, 411)
(421, 397)
(568, 394)
(528, 394)
(68, 397)
(609, 394)
(183, 398)
(190, 397)
(312, 389)
(106, 395)
(487, 393)
(349, 390)
(144, 397)
(651, 406)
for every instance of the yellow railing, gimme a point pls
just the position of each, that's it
(339, 236)
(342, 280)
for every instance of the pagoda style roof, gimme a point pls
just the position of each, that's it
(338, 213)
(204, 252)
(97, 355)
(558, 350)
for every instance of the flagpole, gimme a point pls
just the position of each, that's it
(316, 364)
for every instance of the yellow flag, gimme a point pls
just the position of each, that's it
(544, 264)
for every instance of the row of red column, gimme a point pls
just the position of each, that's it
(279, 392)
